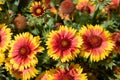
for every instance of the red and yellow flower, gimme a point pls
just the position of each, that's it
(5, 37)
(116, 39)
(114, 4)
(63, 44)
(97, 42)
(85, 6)
(24, 74)
(23, 50)
(74, 72)
(37, 9)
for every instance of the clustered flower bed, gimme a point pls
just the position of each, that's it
(60, 39)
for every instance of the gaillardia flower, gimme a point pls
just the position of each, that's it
(74, 72)
(63, 44)
(85, 6)
(5, 37)
(97, 42)
(25, 74)
(116, 39)
(23, 50)
(37, 9)
(66, 9)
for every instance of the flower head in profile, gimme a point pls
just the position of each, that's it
(74, 72)
(37, 9)
(24, 74)
(85, 6)
(116, 39)
(66, 9)
(97, 42)
(63, 44)
(5, 37)
(23, 50)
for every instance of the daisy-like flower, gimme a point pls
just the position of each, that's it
(37, 9)
(97, 42)
(63, 44)
(116, 39)
(85, 6)
(25, 74)
(66, 8)
(5, 37)
(74, 72)
(23, 50)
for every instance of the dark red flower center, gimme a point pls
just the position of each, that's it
(66, 76)
(64, 44)
(86, 8)
(25, 50)
(93, 41)
(38, 10)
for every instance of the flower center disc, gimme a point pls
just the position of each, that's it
(24, 50)
(95, 41)
(64, 43)
(38, 11)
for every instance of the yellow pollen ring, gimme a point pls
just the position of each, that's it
(38, 11)
(64, 43)
(22, 51)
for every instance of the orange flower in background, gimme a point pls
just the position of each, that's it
(5, 37)
(24, 74)
(116, 39)
(23, 50)
(66, 8)
(74, 72)
(114, 4)
(37, 9)
(97, 42)
(85, 6)
(63, 44)
(20, 22)
(53, 10)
